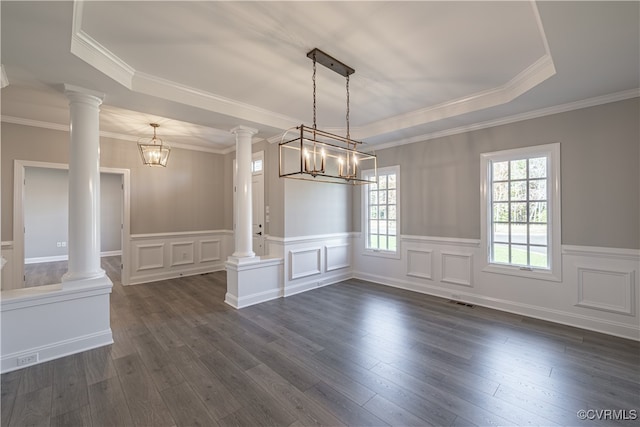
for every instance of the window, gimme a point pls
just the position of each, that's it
(521, 221)
(381, 209)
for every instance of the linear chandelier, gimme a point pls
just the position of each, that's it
(152, 150)
(311, 154)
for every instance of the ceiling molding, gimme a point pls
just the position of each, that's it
(112, 135)
(93, 53)
(176, 92)
(586, 103)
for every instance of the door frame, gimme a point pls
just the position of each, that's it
(19, 174)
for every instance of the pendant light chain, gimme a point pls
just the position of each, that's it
(348, 134)
(314, 92)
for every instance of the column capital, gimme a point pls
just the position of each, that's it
(80, 94)
(243, 130)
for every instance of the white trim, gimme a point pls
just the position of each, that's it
(554, 224)
(628, 307)
(7, 244)
(364, 196)
(148, 236)
(557, 316)
(39, 260)
(311, 238)
(452, 241)
(449, 278)
(601, 252)
(293, 254)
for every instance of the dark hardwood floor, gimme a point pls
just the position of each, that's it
(354, 353)
(49, 273)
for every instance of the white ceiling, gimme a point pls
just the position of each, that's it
(423, 68)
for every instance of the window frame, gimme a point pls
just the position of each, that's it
(554, 232)
(385, 253)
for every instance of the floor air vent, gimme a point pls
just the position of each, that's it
(461, 303)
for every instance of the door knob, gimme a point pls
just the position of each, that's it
(259, 233)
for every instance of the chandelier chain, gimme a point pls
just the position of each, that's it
(348, 134)
(314, 91)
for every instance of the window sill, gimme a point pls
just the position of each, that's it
(381, 253)
(538, 274)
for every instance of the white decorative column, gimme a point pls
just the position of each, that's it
(250, 279)
(84, 185)
(243, 213)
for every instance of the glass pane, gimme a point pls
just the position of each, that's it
(373, 212)
(501, 191)
(518, 190)
(382, 181)
(538, 212)
(373, 197)
(382, 242)
(500, 212)
(500, 253)
(500, 171)
(538, 256)
(538, 189)
(538, 234)
(393, 246)
(392, 228)
(518, 212)
(391, 197)
(519, 233)
(392, 212)
(391, 181)
(373, 226)
(519, 254)
(382, 197)
(382, 212)
(501, 233)
(518, 169)
(382, 227)
(373, 241)
(538, 167)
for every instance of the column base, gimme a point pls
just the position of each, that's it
(252, 281)
(82, 275)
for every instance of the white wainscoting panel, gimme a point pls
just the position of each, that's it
(457, 268)
(149, 256)
(606, 290)
(210, 250)
(163, 256)
(304, 262)
(337, 256)
(182, 253)
(420, 263)
(598, 289)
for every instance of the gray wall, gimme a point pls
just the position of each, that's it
(600, 168)
(188, 195)
(46, 211)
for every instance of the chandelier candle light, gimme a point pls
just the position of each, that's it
(153, 151)
(315, 155)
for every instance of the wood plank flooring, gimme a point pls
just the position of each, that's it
(49, 273)
(354, 353)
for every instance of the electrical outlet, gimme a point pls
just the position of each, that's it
(28, 359)
(59, 244)
(455, 297)
(64, 244)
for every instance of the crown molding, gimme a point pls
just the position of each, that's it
(577, 105)
(112, 135)
(93, 53)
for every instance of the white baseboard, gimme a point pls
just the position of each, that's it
(542, 313)
(173, 274)
(38, 260)
(57, 350)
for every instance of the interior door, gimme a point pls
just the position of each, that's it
(257, 202)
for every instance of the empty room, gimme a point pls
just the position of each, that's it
(337, 213)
